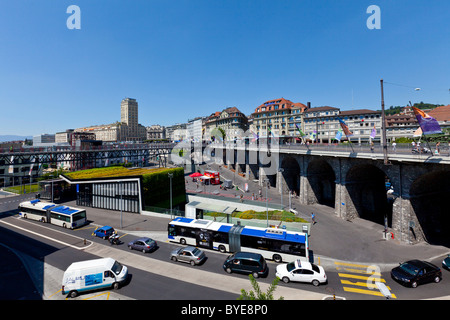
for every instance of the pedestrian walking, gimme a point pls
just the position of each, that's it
(437, 148)
(371, 146)
(242, 198)
(313, 217)
(253, 196)
(394, 146)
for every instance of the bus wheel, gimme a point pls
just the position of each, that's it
(115, 285)
(73, 294)
(64, 226)
(222, 249)
(25, 216)
(277, 258)
(42, 220)
(183, 241)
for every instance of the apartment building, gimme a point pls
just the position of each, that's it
(277, 116)
(231, 120)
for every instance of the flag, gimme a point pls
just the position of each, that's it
(31, 167)
(345, 128)
(374, 132)
(300, 131)
(255, 136)
(417, 133)
(338, 135)
(428, 124)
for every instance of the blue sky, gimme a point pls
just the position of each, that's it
(186, 58)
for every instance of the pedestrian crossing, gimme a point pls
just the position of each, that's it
(361, 278)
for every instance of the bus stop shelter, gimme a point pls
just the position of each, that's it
(195, 209)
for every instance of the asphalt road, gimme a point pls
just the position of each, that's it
(147, 284)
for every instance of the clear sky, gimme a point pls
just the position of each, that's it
(186, 58)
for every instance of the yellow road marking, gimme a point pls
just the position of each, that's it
(371, 292)
(84, 228)
(55, 293)
(352, 265)
(353, 276)
(359, 271)
(107, 297)
(362, 284)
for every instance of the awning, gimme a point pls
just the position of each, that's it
(195, 175)
(211, 207)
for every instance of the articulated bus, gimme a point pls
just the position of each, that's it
(272, 243)
(63, 216)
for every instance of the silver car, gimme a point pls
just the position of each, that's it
(188, 254)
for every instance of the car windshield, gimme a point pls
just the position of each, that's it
(117, 267)
(149, 241)
(315, 268)
(409, 268)
(290, 266)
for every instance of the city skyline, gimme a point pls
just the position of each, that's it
(191, 58)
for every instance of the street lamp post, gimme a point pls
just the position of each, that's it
(383, 125)
(281, 170)
(266, 180)
(170, 178)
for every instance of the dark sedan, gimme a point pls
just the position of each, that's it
(415, 272)
(446, 263)
(143, 244)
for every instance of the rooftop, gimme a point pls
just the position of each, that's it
(111, 172)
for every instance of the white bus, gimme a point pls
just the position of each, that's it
(63, 216)
(272, 243)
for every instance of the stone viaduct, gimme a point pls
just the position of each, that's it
(417, 209)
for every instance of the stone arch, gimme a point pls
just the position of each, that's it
(366, 187)
(291, 174)
(429, 198)
(322, 179)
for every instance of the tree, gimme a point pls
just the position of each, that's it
(258, 294)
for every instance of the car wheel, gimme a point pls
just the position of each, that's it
(73, 294)
(277, 258)
(285, 279)
(183, 241)
(255, 275)
(315, 283)
(437, 279)
(414, 284)
(228, 270)
(192, 263)
(129, 247)
(174, 259)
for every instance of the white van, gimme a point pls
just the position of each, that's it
(92, 275)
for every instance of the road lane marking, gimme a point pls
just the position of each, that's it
(49, 238)
(370, 292)
(354, 276)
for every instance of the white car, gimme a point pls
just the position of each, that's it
(301, 271)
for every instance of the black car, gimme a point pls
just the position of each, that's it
(415, 272)
(246, 262)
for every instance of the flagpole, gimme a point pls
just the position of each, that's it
(383, 126)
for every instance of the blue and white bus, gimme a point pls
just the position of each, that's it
(63, 216)
(272, 243)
